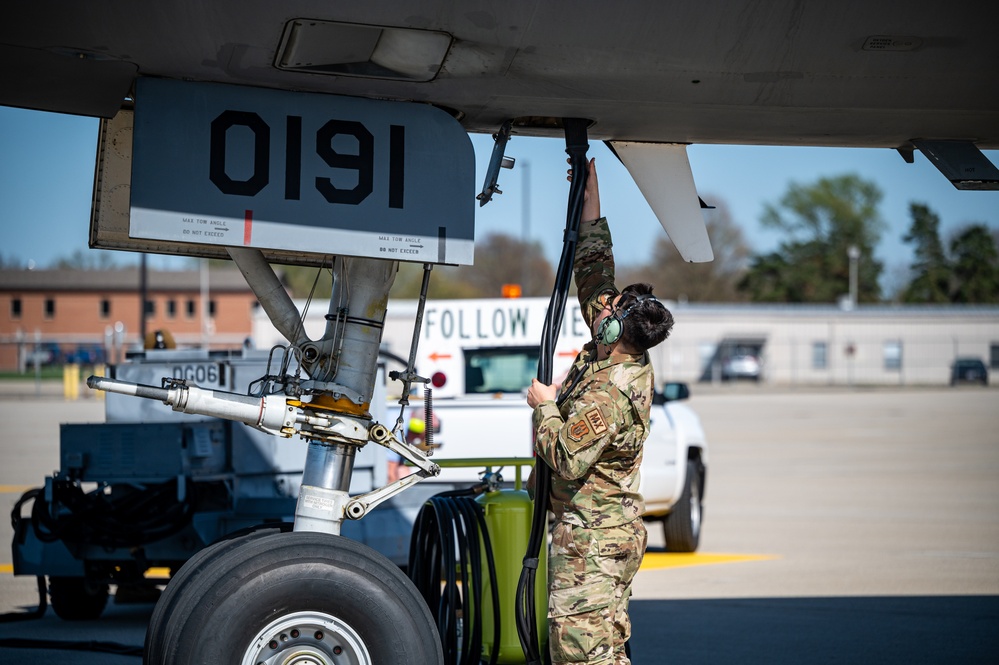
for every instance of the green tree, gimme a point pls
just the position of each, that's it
(499, 259)
(444, 283)
(301, 281)
(715, 281)
(304, 280)
(503, 259)
(931, 270)
(822, 221)
(976, 266)
(767, 279)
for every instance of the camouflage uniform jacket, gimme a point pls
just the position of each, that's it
(592, 435)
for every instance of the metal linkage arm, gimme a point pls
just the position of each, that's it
(383, 437)
(359, 506)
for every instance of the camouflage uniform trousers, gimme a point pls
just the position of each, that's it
(589, 584)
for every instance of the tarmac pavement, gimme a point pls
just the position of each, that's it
(855, 526)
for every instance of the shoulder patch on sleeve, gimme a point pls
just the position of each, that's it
(584, 429)
(596, 421)
(578, 429)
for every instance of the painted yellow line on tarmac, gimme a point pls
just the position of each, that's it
(151, 574)
(15, 489)
(658, 560)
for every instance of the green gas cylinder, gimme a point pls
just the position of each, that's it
(508, 520)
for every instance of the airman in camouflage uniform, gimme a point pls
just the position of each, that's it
(590, 431)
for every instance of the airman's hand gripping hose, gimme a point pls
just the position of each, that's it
(576, 146)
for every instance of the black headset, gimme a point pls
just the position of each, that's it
(612, 327)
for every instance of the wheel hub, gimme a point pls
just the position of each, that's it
(307, 638)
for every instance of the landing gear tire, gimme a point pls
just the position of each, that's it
(192, 574)
(682, 527)
(293, 598)
(76, 599)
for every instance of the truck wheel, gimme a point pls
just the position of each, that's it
(296, 597)
(76, 599)
(682, 527)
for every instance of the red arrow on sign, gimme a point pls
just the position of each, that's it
(439, 356)
(570, 354)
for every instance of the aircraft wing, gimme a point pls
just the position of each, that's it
(848, 73)
(910, 75)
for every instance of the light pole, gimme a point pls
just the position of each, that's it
(525, 200)
(853, 252)
(525, 219)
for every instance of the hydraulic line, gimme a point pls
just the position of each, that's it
(527, 624)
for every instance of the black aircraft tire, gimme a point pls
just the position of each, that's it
(190, 574)
(682, 527)
(76, 599)
(312, 596)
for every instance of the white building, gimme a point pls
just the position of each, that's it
(810, 344)
(792, 344)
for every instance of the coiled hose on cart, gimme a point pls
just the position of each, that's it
(576, 146)
(449, 538)
(120, 516)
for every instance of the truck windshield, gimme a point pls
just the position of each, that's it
(507, 369)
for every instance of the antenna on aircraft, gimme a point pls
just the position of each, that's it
(497, 161)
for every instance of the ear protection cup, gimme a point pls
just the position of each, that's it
(610, 330)
(612, 327)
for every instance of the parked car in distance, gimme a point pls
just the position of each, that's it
(86, 354)
(47, 353)
(741, 365)
(969, 370)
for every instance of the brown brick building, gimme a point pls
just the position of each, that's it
(74, 314)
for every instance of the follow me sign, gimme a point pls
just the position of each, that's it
(271, 169)
(504, 321)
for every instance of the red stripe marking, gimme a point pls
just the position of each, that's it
(247, 227)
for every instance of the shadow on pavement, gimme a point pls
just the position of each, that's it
(890, 630)
(116, 637)
(885, 630)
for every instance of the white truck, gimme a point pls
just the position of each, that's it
(481, 354)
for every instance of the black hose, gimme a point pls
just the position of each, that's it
(124, 517)
(527, 621)
(20, 536)
(445, 563)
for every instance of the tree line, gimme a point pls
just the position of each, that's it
(821, 224)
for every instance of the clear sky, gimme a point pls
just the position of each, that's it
(46, 180)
